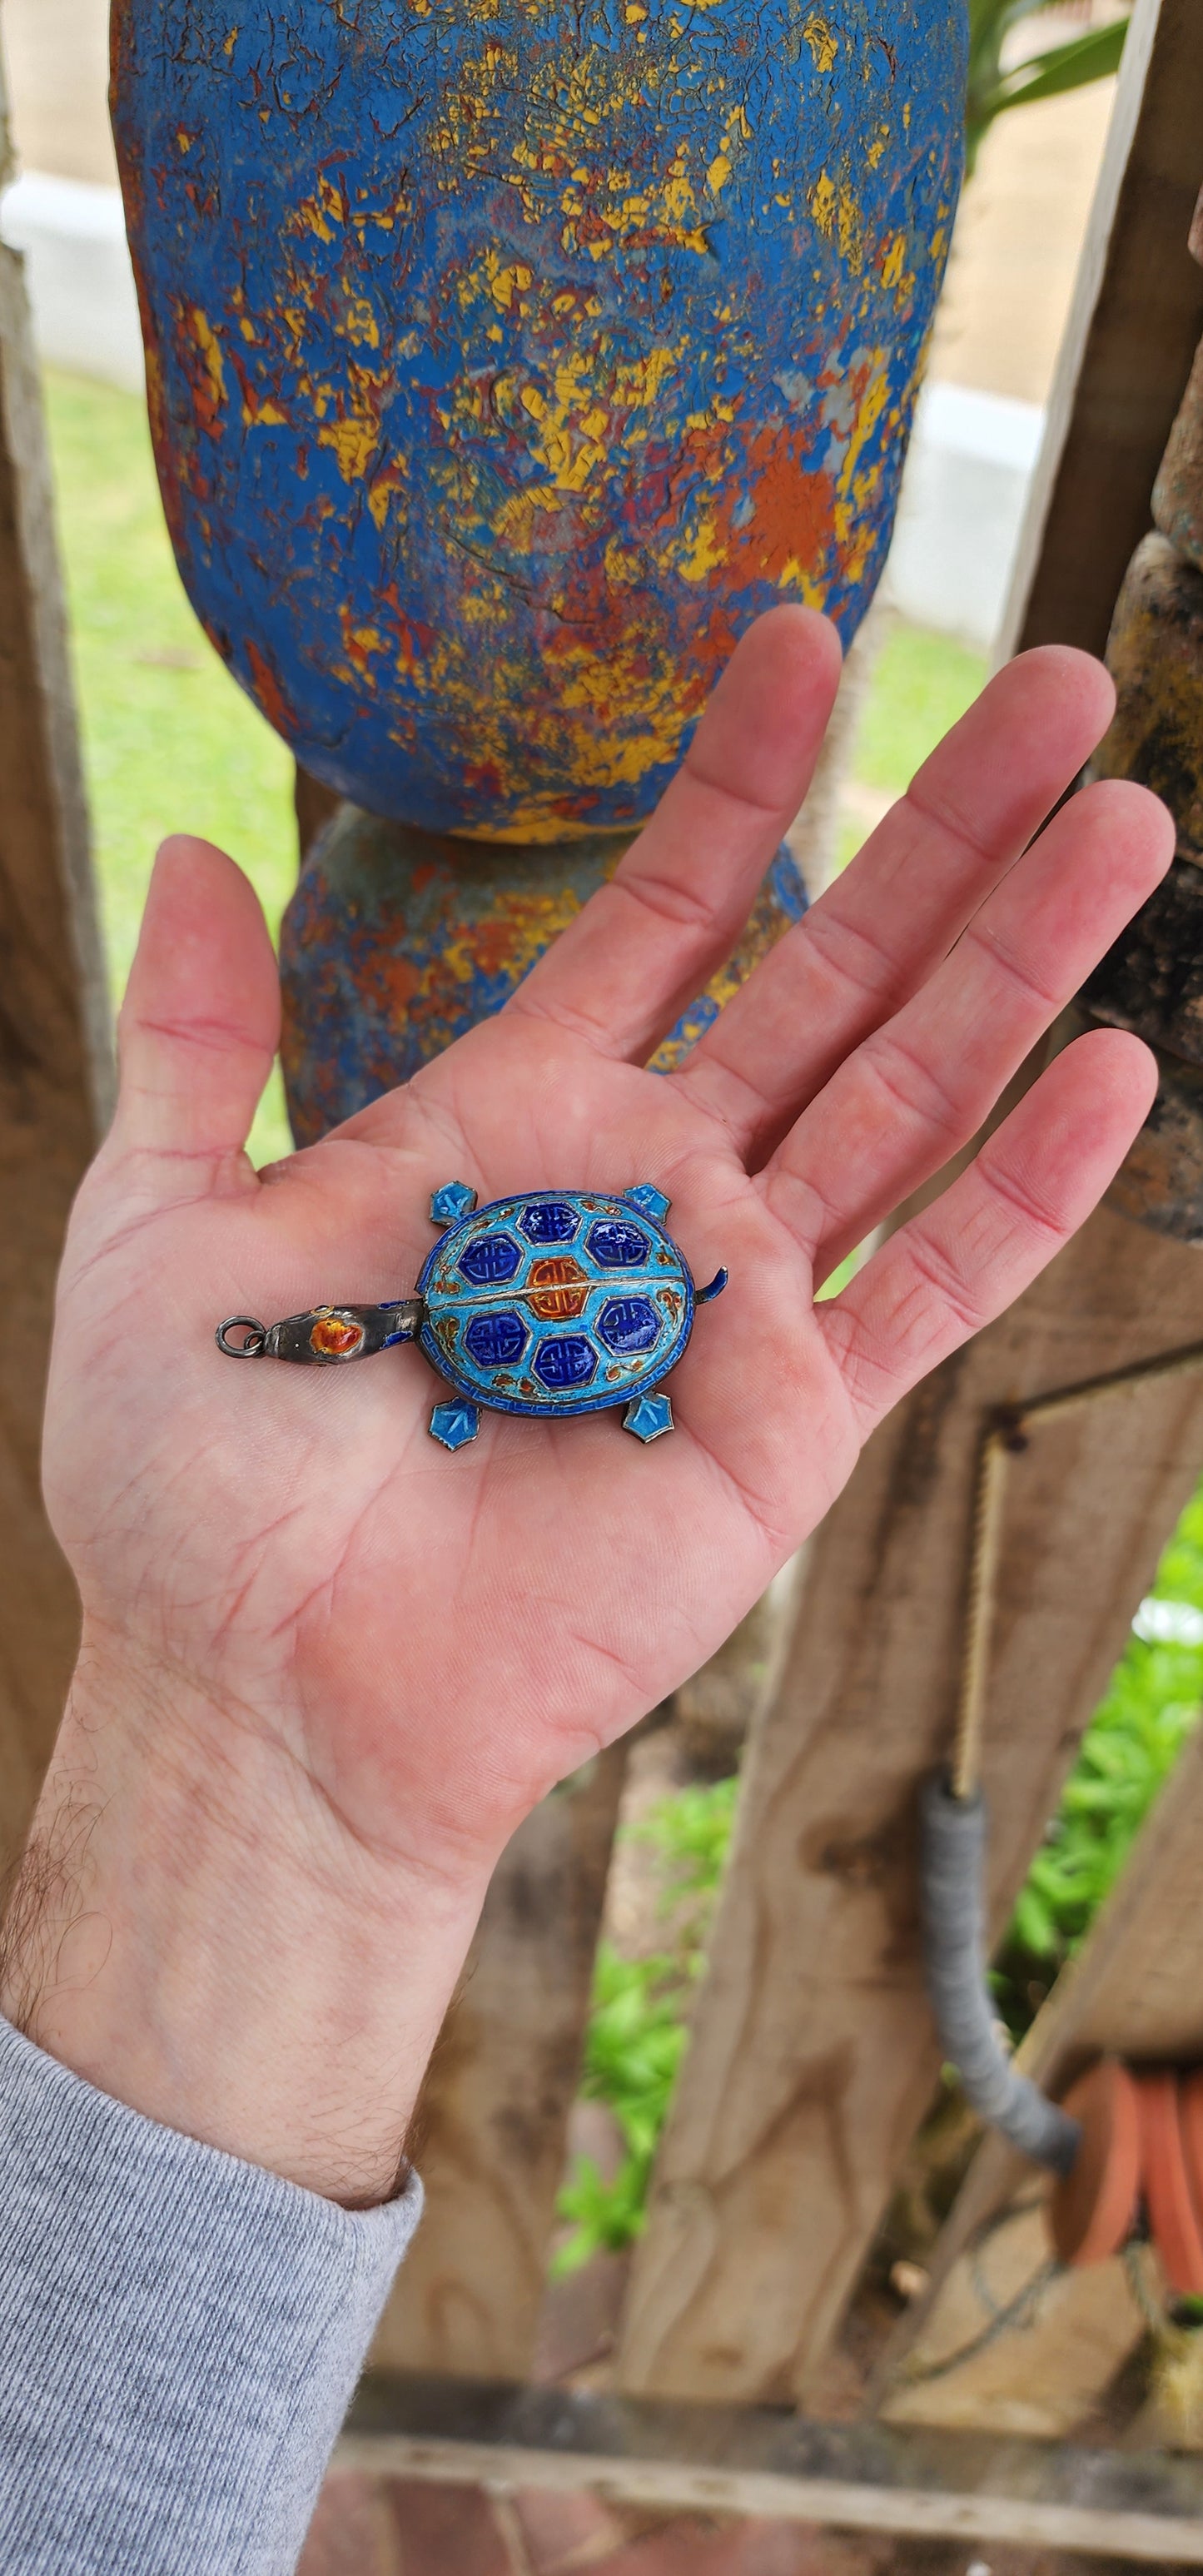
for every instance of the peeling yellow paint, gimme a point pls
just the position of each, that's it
(822, 40)
(210, 347)
(354, 442)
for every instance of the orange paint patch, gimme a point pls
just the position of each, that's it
(792, 515)
(269, 692)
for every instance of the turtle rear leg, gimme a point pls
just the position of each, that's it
(454, 1425)
(649, 1417)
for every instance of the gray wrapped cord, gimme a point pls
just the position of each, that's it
(953, 1852)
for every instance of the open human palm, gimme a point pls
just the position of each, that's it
(326, 1666)
(436, 1639)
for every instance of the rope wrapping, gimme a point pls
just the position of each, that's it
(953, 1850)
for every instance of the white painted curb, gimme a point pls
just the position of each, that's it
(963, 500)
(81, 285)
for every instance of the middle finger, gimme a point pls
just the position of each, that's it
(904, 901)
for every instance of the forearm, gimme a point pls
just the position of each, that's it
(180, 2335)
(250, 1996)
(197, 1932)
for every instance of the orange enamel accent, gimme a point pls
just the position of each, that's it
(562, 1299)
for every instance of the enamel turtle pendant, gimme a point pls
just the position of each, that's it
(557, 1302)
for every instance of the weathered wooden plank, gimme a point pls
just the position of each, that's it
(1134, 1991)
(1143, 2509)
(492, 2123)
(54, 1048)
(813, 2057)
(1136, 320)
(1043, 2375)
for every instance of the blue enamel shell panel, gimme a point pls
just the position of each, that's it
(558, 1302)
(506, 358)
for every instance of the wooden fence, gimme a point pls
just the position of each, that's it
(813, 2058)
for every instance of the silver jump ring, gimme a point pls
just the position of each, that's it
(255, 1344)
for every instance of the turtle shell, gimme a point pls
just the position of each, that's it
(561, 1301)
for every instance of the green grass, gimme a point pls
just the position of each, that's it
(921, 684)
(170, 743)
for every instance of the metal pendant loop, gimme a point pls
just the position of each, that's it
(254, 1346)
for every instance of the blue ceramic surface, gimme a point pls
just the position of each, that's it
(507, 357)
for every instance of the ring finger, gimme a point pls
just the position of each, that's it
(920, 1087)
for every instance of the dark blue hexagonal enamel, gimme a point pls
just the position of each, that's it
(549, 1221)
(629, 1325)
(490, 1261)
(567, 1361)
(496, 1341)
(616, 1246)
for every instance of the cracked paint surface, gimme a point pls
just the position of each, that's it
(506, 358)
(396, 943)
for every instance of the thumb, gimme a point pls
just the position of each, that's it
(200, 1022)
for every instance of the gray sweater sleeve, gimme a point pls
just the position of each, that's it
(180, 2335)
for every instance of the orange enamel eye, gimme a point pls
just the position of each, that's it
(336, 1337)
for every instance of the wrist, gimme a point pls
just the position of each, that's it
(198, 1933)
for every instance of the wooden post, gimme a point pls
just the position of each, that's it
(813, 2056)
(54, 1047)
(1136, 319)
(493, 2120)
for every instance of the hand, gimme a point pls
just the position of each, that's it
(326, 1667)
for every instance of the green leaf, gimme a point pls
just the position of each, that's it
(991, 90)
(1090, 57)
(1034, 1924)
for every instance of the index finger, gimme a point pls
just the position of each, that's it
(648, 943)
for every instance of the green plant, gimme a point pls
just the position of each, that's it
(1130, 1749)
(691, 1836)
(996, 85)
(635, 2043)
(637, 2031)
(636, 2036)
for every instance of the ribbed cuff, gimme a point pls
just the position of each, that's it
(180, 2336)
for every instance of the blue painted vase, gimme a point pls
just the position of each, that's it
(507, 358)
(396, 943)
